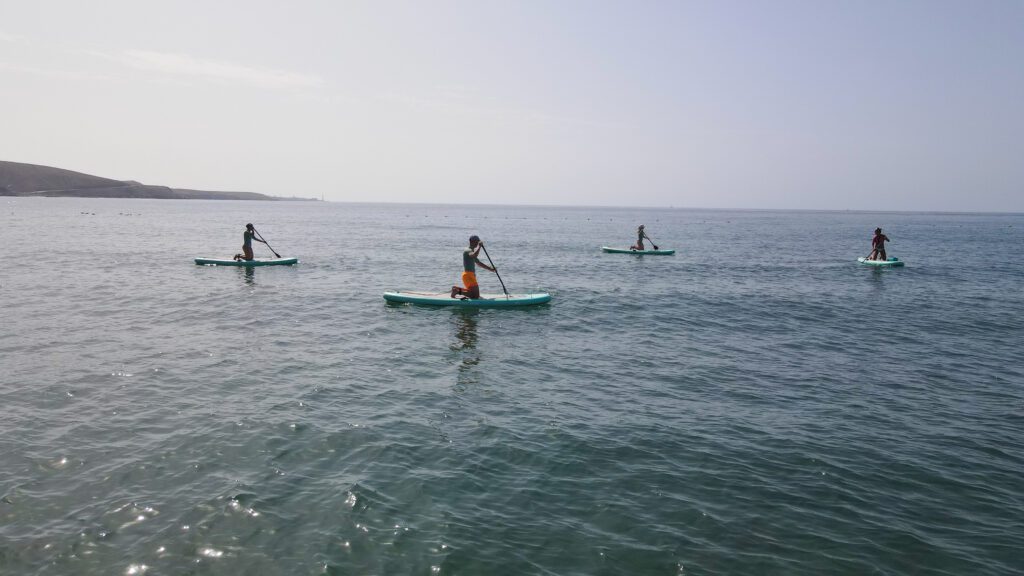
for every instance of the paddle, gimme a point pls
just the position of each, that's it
(495, 270)
(272, 250)
(652, 241)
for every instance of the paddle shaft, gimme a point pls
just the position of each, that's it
(652, 241)
(272, 250)
(495, 269)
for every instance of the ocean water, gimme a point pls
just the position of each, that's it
(756, 404)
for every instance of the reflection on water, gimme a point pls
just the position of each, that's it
(465, 346)
(249, 275)
(877, 272)
(465, 329)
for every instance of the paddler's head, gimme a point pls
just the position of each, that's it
(473, 241)
(641, 227)
(250, 227)
(878, 230)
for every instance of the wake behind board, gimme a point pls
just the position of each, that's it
(891, 262)
(639, 252)
(254, 262)
(485, 300)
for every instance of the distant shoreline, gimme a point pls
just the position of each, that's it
(21, 180)
(173, 194)
(209, 199)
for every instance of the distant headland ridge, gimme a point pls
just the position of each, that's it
(18, 179)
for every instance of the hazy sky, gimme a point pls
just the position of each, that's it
(759, 104)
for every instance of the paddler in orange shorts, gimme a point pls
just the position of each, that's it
(469, 262)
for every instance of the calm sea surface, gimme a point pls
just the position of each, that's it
(756, 404)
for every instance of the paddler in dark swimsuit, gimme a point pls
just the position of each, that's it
(640, 235)
(469, 262)
(247, 238)
(878, 245)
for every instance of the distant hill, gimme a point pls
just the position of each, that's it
(18, 179)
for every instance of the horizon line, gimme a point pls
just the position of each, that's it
(272, 198)
(671, 207)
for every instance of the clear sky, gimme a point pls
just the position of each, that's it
(809, 104)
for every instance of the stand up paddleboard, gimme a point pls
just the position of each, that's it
(485, 300)
(254, 262)
(639, 252)
(891, 262)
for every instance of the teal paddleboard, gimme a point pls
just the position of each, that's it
(254, 262)
(485, 300)
(892, 262)
(640, 252)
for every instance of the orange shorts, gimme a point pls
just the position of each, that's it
(469, 279)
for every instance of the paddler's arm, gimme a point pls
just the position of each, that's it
(476, 256)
